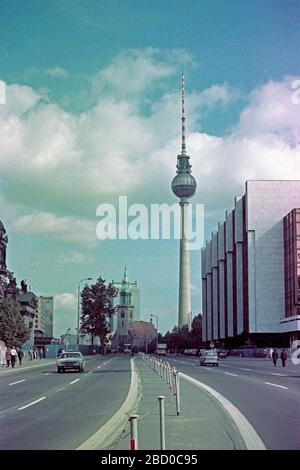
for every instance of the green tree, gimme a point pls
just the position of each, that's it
(96, 309)
(12, 326)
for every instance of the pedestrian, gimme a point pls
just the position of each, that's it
(20, 355)
(275, 357)
(8, 357)
(30, 354)
(14, 355)
(265, 353)
(3, 356)
(283, 357)
(271, 354)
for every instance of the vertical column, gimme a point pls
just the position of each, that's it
(215, 287)
(229, 271)
(184, 304)
(204, 291)
(221, 265)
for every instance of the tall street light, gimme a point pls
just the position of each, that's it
(78, 299)
(155, 316)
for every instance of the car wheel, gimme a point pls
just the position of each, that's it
(58, 370)
(217, 365)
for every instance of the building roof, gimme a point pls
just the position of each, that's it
(143, 329)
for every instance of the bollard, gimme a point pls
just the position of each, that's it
(174, 381)
(161, 400)
(133, 432)
(177, 395)
(170, 376)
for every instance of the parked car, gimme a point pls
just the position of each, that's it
(70, 360)
(209, 357)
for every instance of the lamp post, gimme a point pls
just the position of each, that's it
(155, 316)
(78, 311)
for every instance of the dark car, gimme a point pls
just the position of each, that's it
(222, 353)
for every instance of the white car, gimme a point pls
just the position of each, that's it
(209, 357)
(70, 360)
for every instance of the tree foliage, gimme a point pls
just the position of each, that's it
(96, 309)
(181, 338)
(12, 326)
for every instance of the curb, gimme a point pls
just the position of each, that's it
(112, 429)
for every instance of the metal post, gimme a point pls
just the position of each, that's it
(133, 432)
(177, 396)
(162, 422)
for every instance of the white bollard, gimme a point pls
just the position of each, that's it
(177, 396)
(134, 432)
(161, 400)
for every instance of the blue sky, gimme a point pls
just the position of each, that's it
(93, 111)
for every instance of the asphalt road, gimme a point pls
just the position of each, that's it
(41, 409)
(269, 397)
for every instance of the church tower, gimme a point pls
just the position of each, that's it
(125, 311)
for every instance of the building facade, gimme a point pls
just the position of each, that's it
(135, 300)
(251, 266)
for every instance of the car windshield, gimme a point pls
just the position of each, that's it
(77, 355)
(210, 353)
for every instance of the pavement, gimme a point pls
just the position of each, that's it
(202, 423)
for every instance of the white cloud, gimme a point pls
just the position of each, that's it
(75, 258)
(56, 162)
(65, 313)
(65, 229)
(57, 72)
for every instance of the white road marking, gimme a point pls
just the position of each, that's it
(19, 381)
(99, 366)
(244, 368)
(275, 385)
(248, 433)
(280, 375)
(77, 380)
(32, 403)
(233, 375)
(47, 373)
(89, 372)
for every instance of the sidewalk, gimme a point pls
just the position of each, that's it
(27, 364)
(201, 425)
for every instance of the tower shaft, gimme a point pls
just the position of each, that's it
(184, 302)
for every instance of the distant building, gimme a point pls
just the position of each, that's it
(44, 318)
(28, 308)
(251, 269)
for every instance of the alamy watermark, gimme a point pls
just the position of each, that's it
(158, 221)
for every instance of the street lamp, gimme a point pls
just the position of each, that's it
(155, 316)
(78, 311)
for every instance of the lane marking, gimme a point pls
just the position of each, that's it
(47, 373)
(244, 368)
(32, 403)
(280, 375)
(275, 385)
(74, 381)
(248, 433)
(18, 382)
(89, 372)
(228, 373)
(99, 366)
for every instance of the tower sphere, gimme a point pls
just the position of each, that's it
(184, 185)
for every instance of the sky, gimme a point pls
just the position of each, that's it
(92, 112)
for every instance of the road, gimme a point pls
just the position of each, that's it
(269, 397)
(41, 409)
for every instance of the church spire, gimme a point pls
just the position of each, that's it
(183, 148)
(125, 278)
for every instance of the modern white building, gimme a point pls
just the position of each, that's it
(44, 316)
(251, 268)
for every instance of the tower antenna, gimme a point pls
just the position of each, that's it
(183, 148)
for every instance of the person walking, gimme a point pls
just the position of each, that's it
(8, 357)
(265, 353)
(275, 357)
(271, 354)
(20, 355)
(283, 357)
(14, 355)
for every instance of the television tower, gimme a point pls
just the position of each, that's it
(184, 187)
